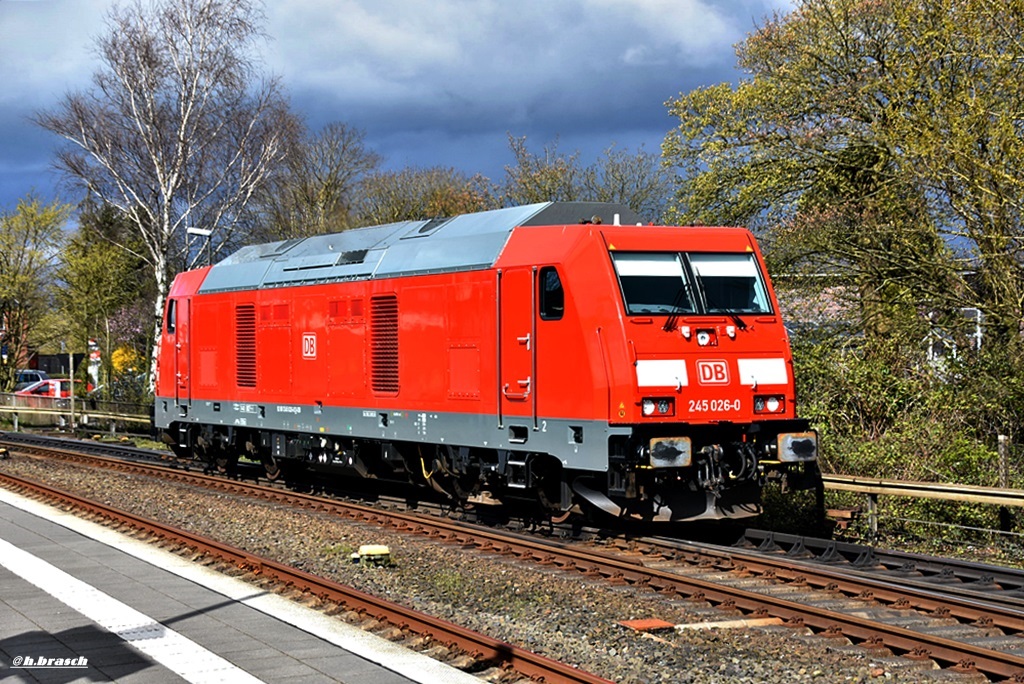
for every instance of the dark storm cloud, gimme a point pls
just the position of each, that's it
(431, 83)
(446, 82)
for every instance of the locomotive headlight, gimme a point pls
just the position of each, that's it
(769, 403)
(703, 338)
(654, 406)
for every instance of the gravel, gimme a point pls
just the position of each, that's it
(559, 614)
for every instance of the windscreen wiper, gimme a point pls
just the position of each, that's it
(670, 322)
(731, 314)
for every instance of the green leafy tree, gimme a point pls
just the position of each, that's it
(29, 240)
(957, 94)
(867, 136)
(101, 272)
(875, 147)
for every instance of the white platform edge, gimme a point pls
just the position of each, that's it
(414, 666)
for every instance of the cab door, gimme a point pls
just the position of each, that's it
(182, 353)
(517, 345)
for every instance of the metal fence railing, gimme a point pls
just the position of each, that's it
(79, 412)
(875, 487)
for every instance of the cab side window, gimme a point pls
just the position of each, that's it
(552, 296)
(171, 313)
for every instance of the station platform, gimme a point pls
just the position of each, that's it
(83, 603)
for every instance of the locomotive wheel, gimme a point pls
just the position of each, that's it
(443, 480)
(225, 463)
(272, 470)
(555, 513)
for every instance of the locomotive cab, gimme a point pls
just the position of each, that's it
(714, 403)
(674, 336)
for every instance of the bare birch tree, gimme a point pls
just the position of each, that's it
(179, 129)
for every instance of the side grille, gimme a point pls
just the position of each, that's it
(245, 345)
(384, 344)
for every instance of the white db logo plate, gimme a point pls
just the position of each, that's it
(309, 345)
(713, 372)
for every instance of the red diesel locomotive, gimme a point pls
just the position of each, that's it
(522, 353)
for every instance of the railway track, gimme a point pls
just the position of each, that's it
(839, 592)
(955, 576)
(484, 650)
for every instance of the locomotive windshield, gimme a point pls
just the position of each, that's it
(691, 283)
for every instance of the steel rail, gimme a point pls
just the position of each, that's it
(480, 646)
(946, 651)
(949, 652)
(999, 584)
(895, 592)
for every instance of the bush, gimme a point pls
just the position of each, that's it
(882, 411)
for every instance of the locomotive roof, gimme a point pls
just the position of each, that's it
(459, 243)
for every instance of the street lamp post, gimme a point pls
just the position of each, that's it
(71, 388)
(204, 233)
(71, 384)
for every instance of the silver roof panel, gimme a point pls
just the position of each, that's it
(460, 243)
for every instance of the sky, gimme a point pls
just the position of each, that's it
(429, 82)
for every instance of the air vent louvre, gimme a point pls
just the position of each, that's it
(384, 344)
(245, 349)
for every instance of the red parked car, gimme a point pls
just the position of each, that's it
(49, 388)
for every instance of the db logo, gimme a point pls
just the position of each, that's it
(309, 345)
(713, 372)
